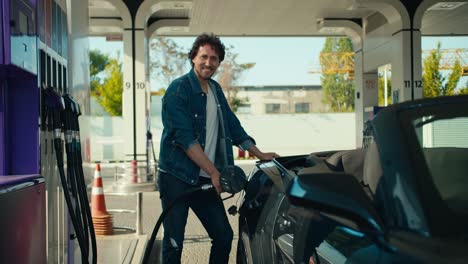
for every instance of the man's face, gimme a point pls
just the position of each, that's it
(206, 62)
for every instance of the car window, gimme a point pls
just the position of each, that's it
(444, 144)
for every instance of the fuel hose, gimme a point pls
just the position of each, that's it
(232, 180)
(54, 106)
(71, 114)
(150, 245)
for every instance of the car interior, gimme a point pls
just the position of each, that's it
(361, 163)
(447, 166)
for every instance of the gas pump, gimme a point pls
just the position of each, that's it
(46, 209)
(75, 168)
(62, 114)
(22, 188)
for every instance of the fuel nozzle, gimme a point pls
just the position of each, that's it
(77, 114)
(72, 105)
(54, 104)
(69, 112)
(73, 112)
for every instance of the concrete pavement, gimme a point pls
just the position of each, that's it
(116, 250)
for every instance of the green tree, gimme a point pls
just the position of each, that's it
(167, 60)
(464, 90)
(109, 92)
(434, 82)
(159, 92)
(98, 62)
(229, 72)
(338, 89)
(381, 84)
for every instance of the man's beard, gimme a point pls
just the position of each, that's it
(208, 75)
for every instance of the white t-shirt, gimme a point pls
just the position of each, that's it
(212, 123)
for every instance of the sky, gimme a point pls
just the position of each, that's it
(278, 60)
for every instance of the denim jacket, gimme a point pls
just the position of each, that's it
(184, 121)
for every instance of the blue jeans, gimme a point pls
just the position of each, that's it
(207, 206)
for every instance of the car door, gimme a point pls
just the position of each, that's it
(345, 245)
(264, 250)
(285, 224)
(290, 233)
(302, 236)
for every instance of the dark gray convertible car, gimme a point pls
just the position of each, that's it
(402, 198)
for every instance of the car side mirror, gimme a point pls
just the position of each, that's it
(338, 196)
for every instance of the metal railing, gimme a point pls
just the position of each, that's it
(138, 211)
(126, 173)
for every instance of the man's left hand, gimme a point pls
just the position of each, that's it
(268, 156)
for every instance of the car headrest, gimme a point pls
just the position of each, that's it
(336, 160)
(349, 161)
(372, 167)
(353, 163)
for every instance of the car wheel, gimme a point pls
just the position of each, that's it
(244, 253)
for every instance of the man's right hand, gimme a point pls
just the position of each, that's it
(195, 153)
(215, 180)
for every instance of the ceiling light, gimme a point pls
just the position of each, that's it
(355, 5)
(446, 5)
(171, 30)
(324, 28)
(179, 5)
(174, 5)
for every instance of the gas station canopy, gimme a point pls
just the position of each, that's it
(265, 17)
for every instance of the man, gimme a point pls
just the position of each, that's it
(196, 144)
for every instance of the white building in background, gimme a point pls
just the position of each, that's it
(280, 99)
(285, 119)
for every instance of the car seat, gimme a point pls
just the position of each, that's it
(372, 167)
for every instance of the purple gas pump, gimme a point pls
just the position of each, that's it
(40, 222)
(22, 189)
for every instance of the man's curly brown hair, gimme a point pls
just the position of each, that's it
(210, 39)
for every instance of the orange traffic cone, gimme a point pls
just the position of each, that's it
(102, 220)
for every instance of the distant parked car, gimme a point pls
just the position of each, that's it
(402, 198)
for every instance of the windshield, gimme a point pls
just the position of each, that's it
(444, 142)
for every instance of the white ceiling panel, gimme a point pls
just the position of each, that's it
(281, 17)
